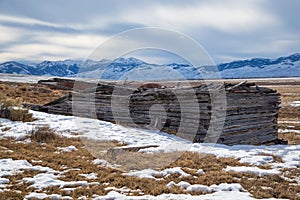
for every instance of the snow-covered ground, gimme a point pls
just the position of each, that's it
(255, 156)
(113, 195)
(101, 130)
(25, 78)
(22, 78)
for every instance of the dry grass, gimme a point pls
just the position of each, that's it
(44, 147)
(276, 158)
(11, 195)
(12, 109)
(81, 159)
(289, 92)
(292, 138)
(260, 187)
(44, 134)
(30, 93)
(129, 160)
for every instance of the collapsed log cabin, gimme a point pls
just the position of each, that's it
(249, 115)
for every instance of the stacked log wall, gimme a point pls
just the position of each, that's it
(250, 114)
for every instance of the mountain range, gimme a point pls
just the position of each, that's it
(135, 69)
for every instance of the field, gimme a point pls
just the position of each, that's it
(289, 115)
(61, 165)
(30, 93)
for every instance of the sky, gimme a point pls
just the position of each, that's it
(33, 30)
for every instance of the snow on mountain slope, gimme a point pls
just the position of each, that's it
(261, 68)
(15, 68)
(135, 69)
(270, 71)
(49, 68)
(260, 62)
(142, 72)
(58, 68)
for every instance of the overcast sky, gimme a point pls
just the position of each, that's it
(33, 30)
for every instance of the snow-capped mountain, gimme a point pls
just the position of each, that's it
(58, 68)
(135, 69)
(16, 68)
(288, 66)
(51, 68)
(261, 62)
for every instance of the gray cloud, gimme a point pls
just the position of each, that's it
(228, 29)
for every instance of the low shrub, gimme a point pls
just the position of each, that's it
(44, 134)
(12, 109)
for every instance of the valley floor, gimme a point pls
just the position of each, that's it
(80, 158)
(74, 165)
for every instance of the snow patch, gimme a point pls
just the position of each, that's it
(3, 182)
(198, 188)
(123, 190)
(67, 149)
(150, 173)
(295, 104)
(207, 189)
(252, 170)
(227, 187)
(9, 167)
(254, 155)
(200, 171)
(174, 170)
(257, 160)
(35, 195)
(224, 195)
(104, 163)
(145, 173)
(288, 131)
(89, 176)
(44, 180)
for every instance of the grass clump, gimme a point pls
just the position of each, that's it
(44, 134)
(13, 110)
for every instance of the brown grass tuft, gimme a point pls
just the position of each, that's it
(44, 134)
(30, 93)
(260, 187)
(12, 109)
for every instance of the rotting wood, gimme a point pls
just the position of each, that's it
(251, 112)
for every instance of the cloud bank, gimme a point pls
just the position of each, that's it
(229, 29)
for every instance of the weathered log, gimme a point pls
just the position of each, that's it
(250, 112)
